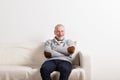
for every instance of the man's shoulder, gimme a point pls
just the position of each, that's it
(49, 40)
(68, 40)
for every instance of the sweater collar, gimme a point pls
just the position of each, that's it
(63, 41)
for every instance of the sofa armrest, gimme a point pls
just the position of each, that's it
(85, 63)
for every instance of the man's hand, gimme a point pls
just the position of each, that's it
(47, 54)
(71, 49)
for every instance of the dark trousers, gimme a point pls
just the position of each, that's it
(64, 67)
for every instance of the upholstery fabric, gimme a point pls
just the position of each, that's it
(21, 54)
(76, 74)
(14, 73)
(22, 61)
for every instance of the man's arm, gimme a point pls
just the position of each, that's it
(68, 49)
(49, 52)
(71, 48)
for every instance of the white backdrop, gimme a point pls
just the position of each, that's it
(94, 23)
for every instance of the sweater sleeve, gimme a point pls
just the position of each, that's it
(48, 48)
(70, 43)
(63, 49)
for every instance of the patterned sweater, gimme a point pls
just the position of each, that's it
(58, 49)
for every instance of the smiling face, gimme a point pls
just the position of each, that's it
(59, 32)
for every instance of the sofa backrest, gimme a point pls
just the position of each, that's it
(21, 54)
(25, 54)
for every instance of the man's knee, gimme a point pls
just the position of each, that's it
(65, 69)
(44, 68)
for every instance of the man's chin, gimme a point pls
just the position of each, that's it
(60, 38)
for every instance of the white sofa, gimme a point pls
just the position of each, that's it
(22, 61)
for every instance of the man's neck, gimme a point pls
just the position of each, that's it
(59, 39)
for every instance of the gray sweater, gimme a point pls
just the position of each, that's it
(58, 49)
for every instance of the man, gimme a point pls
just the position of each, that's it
(58, 52)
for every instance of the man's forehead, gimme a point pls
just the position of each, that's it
(59, 27)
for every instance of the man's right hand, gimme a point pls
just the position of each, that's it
(71, 49)
(47, 54)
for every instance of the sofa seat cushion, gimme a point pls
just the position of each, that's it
(76, 74)
(15, 73)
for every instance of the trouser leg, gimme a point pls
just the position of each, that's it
(46, 69)
(65, 70)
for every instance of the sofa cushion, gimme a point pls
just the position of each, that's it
(21, 54)
(76, 74)
(15, 73)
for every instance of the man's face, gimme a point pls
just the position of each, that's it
(59, 32)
